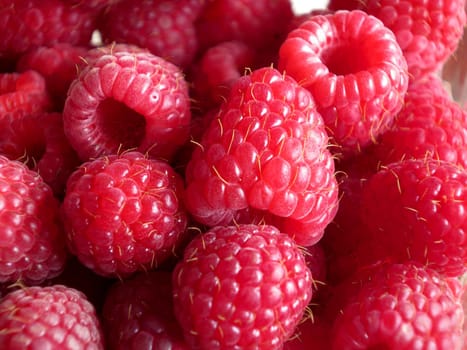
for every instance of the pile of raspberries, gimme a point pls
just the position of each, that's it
(233, 174)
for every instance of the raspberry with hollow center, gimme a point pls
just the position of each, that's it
(123, 213)
(127, 100)
(241, 287)
(358, 96)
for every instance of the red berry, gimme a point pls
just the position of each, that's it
(265, 150)
(23, 93)
(430, 125)
(138, 314)
(258, 23)
(27, 24)
(39, 141)
(428, 32)
(123, 213)
(57, 64)
(402, 306)
(417, 209)
(32, 243)
(241, 287)
(358, 96)
(55, 317)
(127, 100)
(164, 27)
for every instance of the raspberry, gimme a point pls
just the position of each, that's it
(57, 64)
(430, 125)
(27, 24)
(258, 23)
(403, 306)
(357, 96)
(241, 287)
(428, 32)
(217, 70)
(423, 215)
(55, 317)
(164, 27)
(265, 150)
(22, 93)
(32, 243)
(127, 100)
(40, 142)
(123, 213)
(138, 314)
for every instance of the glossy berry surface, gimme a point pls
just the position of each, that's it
(123, 213)
(55, 317)
(357, 96)
(127, 100)
(241, 287)
(422, 216)
(32, 241)
(402, 306)
(265, 150)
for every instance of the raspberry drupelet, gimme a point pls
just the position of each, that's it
(355, 70)
(241, 287)
(127, 100)
(264, 158)
(123, 213)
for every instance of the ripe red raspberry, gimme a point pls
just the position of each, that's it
(57, 64)
(258, 23)
(32, 242)
(430, 125)
(423, 214)
(355, 70)
(265, 150)
(27, 24)
(241, 287)
(55, 317)
(23, 93)
(138, 314)
(123, 213)
(39, 141)
(127, 100)
(216, 71)
(402, 306)
(164, 27)
(428, 31)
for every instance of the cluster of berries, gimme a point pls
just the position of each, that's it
(227, 174)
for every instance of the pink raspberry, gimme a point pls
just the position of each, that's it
(123, 213)
(127, 100)
(27, 24)
(23, 93)
(428, 32)
(265, 155)
(423, 214)
(32, 242)
(164, 27)
(358, 96)
(258, 23)
(241, 287)
(55, 317)
(57, 64)
(138, 314)
(402, 306)
(39, 141)
(430, 125)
